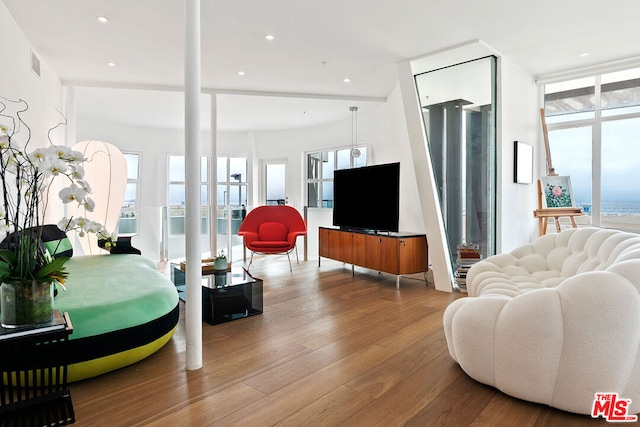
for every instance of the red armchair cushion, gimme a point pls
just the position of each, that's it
(273, 232)
(269, 246)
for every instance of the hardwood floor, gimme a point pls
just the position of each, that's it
(329, 350)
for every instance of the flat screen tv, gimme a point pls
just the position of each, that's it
(367, 198)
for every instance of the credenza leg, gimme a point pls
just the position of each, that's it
(398, 282)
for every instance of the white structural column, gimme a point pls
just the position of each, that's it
(438, 247)
(192, 158)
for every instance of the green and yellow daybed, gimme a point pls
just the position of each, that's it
(122, 310)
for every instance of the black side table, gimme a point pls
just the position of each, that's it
(33, 374)
(230, 295)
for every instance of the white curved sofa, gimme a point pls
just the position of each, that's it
(554, 321)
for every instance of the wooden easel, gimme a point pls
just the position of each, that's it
(543, 214)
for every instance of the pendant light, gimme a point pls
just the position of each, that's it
(355, 152)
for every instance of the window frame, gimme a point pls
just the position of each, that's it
(353, 162)
(137, 182)
(204, 207)
(595, 123)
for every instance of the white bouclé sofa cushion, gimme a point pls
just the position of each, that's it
(554, 321)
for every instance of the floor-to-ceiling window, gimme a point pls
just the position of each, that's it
(594, 135)
(230, 205)
(177, 194)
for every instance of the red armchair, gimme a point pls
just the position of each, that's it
(272, 230)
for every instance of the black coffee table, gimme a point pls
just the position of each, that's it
(226, 296)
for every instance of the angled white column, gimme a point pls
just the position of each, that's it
(192, 158)
(427, 189)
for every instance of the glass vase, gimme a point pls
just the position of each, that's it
(26, 304)
(220, 264)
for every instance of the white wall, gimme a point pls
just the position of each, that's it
(17, 81)
(518, 121)
(43, 94)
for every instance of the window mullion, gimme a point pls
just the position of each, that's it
(596, 156)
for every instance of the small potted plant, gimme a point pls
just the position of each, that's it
(220, 262)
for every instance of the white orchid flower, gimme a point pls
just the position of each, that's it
(5, 142)
(92, 227)
(89, 204)
(49, 152)
(62, 151)
(72, 193)
(66, 224)
(74, 156)
(38, 155)
(52, 167)
(84, 185)
(78, 173)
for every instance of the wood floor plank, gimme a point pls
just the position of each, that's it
(400, 404)
(285, 401)
(404, 364)
(332, 409)
(208, 410)
(330, 349)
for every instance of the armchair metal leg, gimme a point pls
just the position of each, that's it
(289, 258)
(250, 261)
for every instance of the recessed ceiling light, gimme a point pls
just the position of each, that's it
(269, 37)
(584, 54)
(111, 64)
(103, 19)
(241, 73)
(347, 80)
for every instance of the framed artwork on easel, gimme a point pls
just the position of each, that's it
(556, 192)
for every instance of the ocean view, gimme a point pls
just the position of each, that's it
(622, 208)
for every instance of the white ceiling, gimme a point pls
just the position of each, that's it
(317, 44)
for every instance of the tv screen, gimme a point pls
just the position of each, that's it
(367, 198)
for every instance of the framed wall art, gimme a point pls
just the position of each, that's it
(522, 163)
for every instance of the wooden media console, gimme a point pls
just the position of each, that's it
(394, 253)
